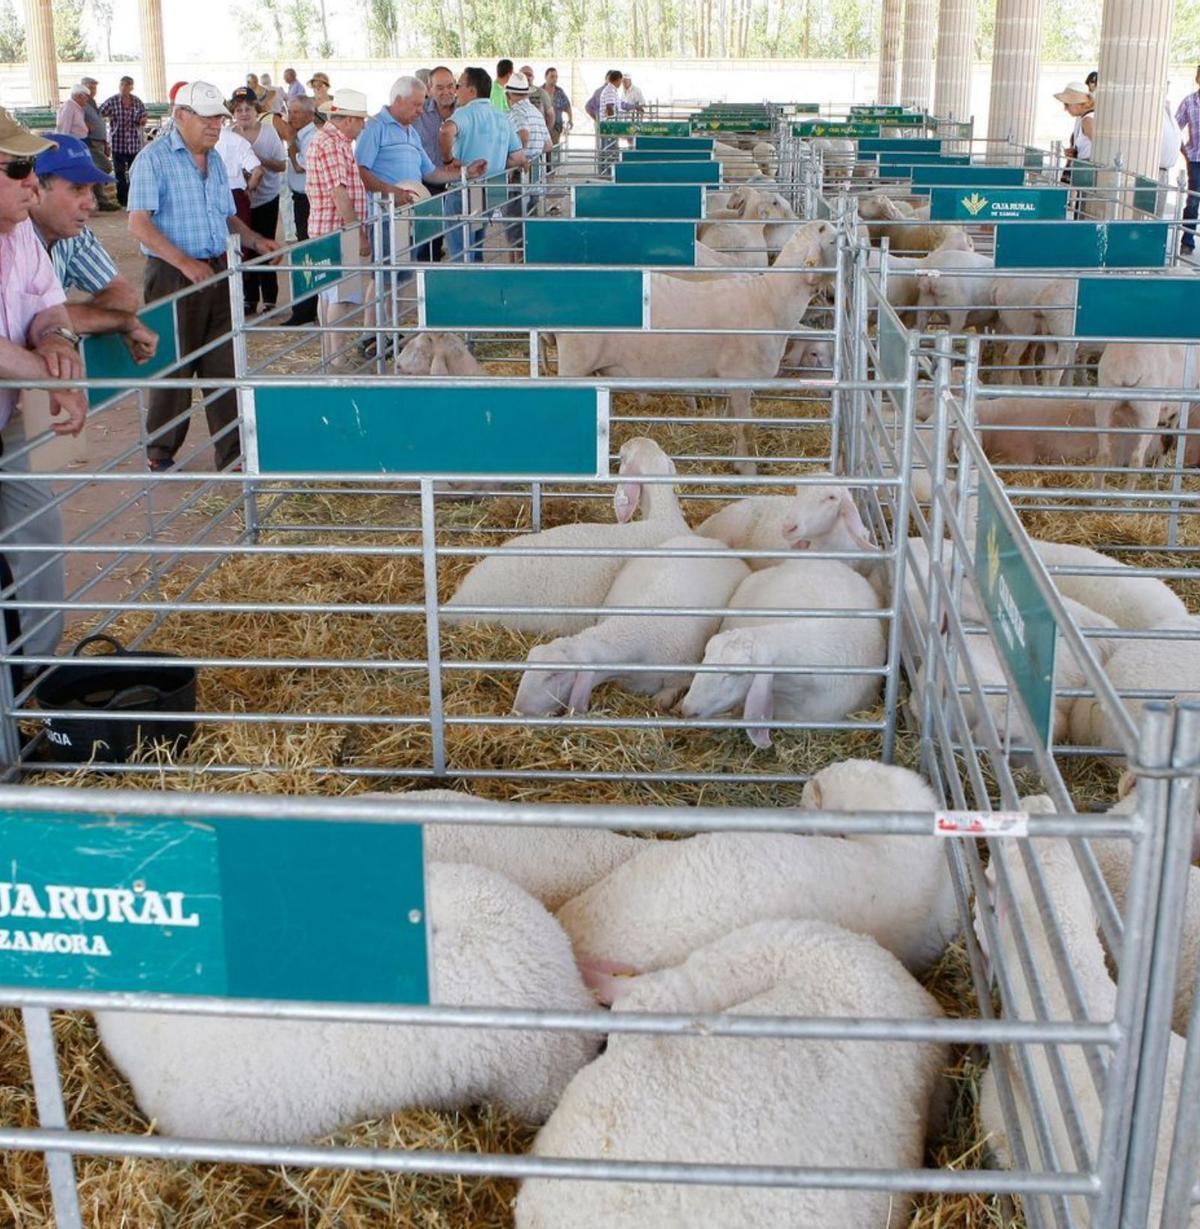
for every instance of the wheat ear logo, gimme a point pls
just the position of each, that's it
(993, 558)
(975, 204)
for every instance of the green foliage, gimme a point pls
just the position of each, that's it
(12, 35)
(69, 38)
(383, 27)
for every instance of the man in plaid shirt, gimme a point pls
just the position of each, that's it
(1188, 116)
(126, 117)
(337, 198)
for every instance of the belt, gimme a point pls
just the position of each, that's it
(217, 263)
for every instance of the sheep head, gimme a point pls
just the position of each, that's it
(548, 693)
(416, 356)
(818, 511)
(639, 456)
(452, 356)
(717, 692)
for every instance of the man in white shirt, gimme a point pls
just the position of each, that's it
(632, 98)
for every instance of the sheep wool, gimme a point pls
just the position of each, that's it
(817, 1103)
(283, 1081)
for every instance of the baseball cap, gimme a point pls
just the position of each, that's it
(17, 141)
(203, 98)
(348, 102)
(243, 93)
(175, 89)
(517, 84)
(71, 160)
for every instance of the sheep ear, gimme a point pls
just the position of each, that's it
(854, 522)
(608, 980)
(760, 706)
(814, 792)
(626, 499)
(581, 691)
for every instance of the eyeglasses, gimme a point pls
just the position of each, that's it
(18, 168)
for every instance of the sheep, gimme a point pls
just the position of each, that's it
(1134, 365)
(659, 640)
(551, 864)
(1132, 601)
(838, 156)
(808, 354)
(903, 284)
(573, 581)
(822, 1103)
(766, 300)
(764, 642)
(1171, 667)
(283, 1081)
(908, 230)
(957, 286)
(871, 207)
(437, 354)
(765, 158)
(676, 896)
(1041, 307)
(745, 244)
(820, 518)
(1068, 894)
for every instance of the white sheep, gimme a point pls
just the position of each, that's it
(282, 1081)
(572, 581)
(822, 1103)
(767, 300)
(675, 896)
(761, 644)
(1073, 906)
(807, 355)
(739, 238)
(909, 230)
(437, 354)
(644, 639)
(956, 286)
(1045, 309)
(552, 864)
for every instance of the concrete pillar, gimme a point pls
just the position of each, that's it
(955, 59)
(1016, 69)
(917, 70)
(891, 34)
(1135, 40)
(153, 87)
(43, 59)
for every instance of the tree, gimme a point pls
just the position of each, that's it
(69, 38)
(12, 35)
(102, 14)
(383, 26)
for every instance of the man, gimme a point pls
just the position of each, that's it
(529, 124)
(301, 116)
(36, 343)
(66, 175)
(70, 118)
(292, 87)
(126, 117)
(338, 199)
(632, 98)
(504, 70)
(97, 140)
(439, 107)
(476, 131)
(539, 97)
(562, 106)
(1188, 116)
(181, 210)
(608, 105)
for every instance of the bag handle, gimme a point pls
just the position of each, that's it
(117, 647)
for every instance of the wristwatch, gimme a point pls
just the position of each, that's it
(68, 335)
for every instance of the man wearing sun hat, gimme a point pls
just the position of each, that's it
(36, 343)
(181, 211)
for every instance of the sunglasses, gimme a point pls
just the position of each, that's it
(18, 168)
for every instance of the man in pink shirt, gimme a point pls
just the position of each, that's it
(70, 118)
(36, 343)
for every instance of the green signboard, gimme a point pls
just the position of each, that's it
(652, 128)
(106, 357)
(1138, 307)
(997, 204)
(319, 256)
(1022, 623)
(534, 431)
(1034, 159)
(702, 144)
(817, 129)
(969, 176)
(306, 910)
(892, 341)
(1085, 245)
(805, 108)
(592, 242)
(668, 172)
(877, 109)
(433, 215)
(513, 297)
(666, 155)
(900, 145)
(732, 125)
(901, 166)
(638, 201)
(1145, 195)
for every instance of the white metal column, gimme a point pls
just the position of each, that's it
(917, 70)
(890, 38)
(955, 59)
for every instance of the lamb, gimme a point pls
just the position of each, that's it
(765, 158)
(819, 518)
(1137, 365)
(838, 156)
(1043, 307)
(675, 896)
(767, 300)
(908, 231)
(282, 1081)
(822, 1103)
(573, 581)
(551, 864)
(658, 640)
(760, 643)
(1067, 891)
(437, 354)
(807, 354)
(903, 284)
(956, 286)
(738, 239)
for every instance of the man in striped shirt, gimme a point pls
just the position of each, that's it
(66, 201)
(1188, 116)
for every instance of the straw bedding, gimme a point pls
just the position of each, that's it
(308, 758)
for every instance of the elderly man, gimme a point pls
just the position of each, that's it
(538, 96)
(97, 140)
(301, 120)
(632, 98)
(439, 107)
(181, 210)
(291, 85)
(36, 343)
(126, 115)
(70, 118)
(563, 117)
(66, 176)
(338, 199)
(476, 132)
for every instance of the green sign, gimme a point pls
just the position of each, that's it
(1138, 307)
(1035, 159)
(995, 204)
(702, 144)
(1145, 196)
(638, 201)
(892, 341)
(732, 125)
(901, 145)
(1022, 623)
(533, 431)
(513, 297)
(805, 108)
(877, 109)
(667, 172)
(106, 357)
(319, 911)
(591, 242)
(1079, 244)
(666, 155)
(969, 176)
(655, 128)
(832, 129)
(319, 256)
(433, 218)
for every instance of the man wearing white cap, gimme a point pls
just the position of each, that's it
(181, 210)
(70, 118)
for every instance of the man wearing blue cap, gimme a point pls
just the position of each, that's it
(66, 201)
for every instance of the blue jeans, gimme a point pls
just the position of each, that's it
(1189, 210)
(456, 204)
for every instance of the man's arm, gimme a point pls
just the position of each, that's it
(447, 135)
(142, 228)
(114, 310)
(251, 238)
(53, 358)
(517, 158)
(451, 172)
(373, 183)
